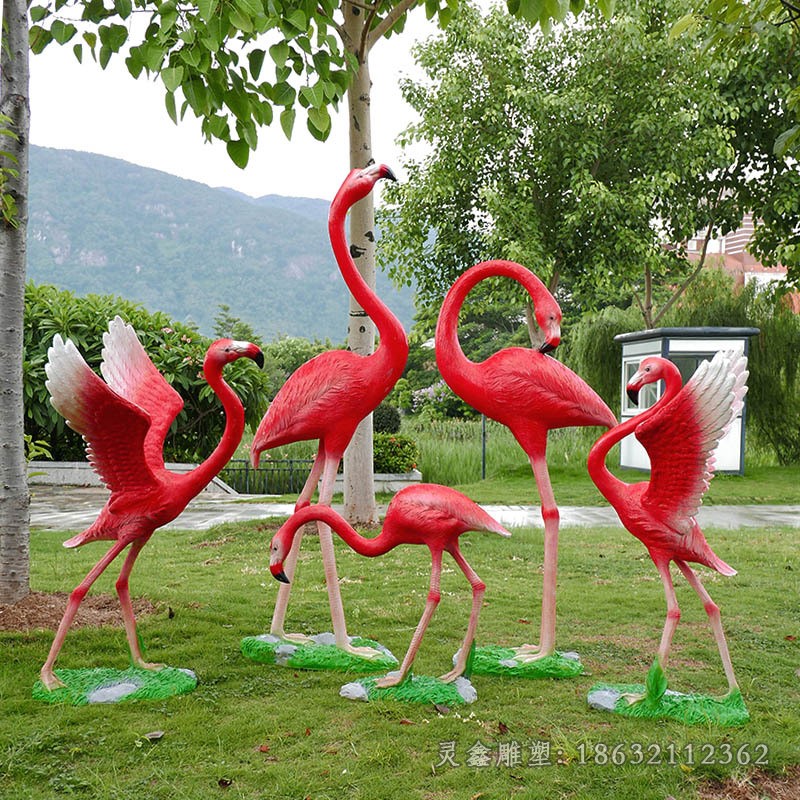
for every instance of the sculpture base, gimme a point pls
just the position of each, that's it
(414, 689)
(320, 653)
(691, 709)
(496, 660)
(103, 685)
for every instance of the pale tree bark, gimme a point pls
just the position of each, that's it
(359, 37)
(14, 497)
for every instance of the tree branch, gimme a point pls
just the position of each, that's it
(372, 36)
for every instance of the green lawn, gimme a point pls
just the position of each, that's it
(255, 731)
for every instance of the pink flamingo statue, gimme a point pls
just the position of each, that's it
(529, 392)
(124, 421)
(680, 433)
(327, 397)
(421, 514)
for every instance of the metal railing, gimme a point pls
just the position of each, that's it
(279, 476)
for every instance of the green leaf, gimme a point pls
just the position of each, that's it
(113, 36)
(685, 23)
(239, 153)
(123, 8)
(238, 102)
(78, 51)
(297, 19)
(105, 56)
(169, 102)
(252, 8)
(206, 9)
(38, 13)
(319, 121)
(172, 77)
(287, 122)
(279, 53)
(283, 94)
(255, 60)
(240, 20)
(39, 38)
(656, 683)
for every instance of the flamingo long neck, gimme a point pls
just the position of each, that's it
(392, 336)
(458, 371)
(234, 427)
(609, 485)
(364, 546)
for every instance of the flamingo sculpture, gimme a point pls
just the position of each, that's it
(327, 397)
(421, 514)
(124, 421)
(529, 392)
(680, 433)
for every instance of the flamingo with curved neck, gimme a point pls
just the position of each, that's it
(529, 392)
(680, 433)
(124, 421)
(327, 397)
(426, 514)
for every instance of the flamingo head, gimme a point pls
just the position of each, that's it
(359, 182)
(281, 543)
(651, 369)
(548, 317)
(224, 351)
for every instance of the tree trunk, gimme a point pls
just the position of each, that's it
(359, 487)
(14, 497)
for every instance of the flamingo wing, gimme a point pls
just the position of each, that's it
(317, 396)
(681, 438)
(129, 371)
(114, 428)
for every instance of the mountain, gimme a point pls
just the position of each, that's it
(101, 225)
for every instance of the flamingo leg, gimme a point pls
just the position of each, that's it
(285, 590)
(478, 590)
(670, 623)
(127, 609)
(434, 595)
(715, 619)
(550, 516)
(46, 673)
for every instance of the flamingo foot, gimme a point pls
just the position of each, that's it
(362, 652)
(140, 663)
(392, 679)
(528, 653)
(294, 638)
(50, 680)
(449, 677)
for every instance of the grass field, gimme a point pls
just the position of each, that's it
(253, 731)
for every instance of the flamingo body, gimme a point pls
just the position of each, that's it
(328, 396)
(124, 420)
(529, 392)
(423, 514)
(680, 433)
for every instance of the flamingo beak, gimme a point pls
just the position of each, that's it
(278, 573)
(387, 173)
(547, 347)
(633, 395)
(259, 359)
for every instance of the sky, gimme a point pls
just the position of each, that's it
(81, 107)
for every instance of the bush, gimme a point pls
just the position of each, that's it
(177, 351)
(394, 454)
(386, 419)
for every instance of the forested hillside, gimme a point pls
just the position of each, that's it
(102, 225)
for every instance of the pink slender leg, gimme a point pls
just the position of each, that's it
(285, 590)
(714, 617)
(46, 673)
(478, 590)
(434, 594)
(127, 609)
(550, 516)
(670, 623)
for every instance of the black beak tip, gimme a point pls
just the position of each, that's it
(259, 359)
(281, 576)
(547, 347)
(633, 396)
(388, 174)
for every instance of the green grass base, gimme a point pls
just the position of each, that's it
(496, 660)
(96, 685)
(691, 709)
(414, 689)
(268, 649)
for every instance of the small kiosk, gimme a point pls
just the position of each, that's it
(686, 348)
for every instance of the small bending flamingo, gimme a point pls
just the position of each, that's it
(680, 433)
(421, 514)
(327, 397)
(530, 393)
(124, 421)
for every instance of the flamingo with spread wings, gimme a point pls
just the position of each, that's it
(680, 433)
(124, 420)
(327, 397)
